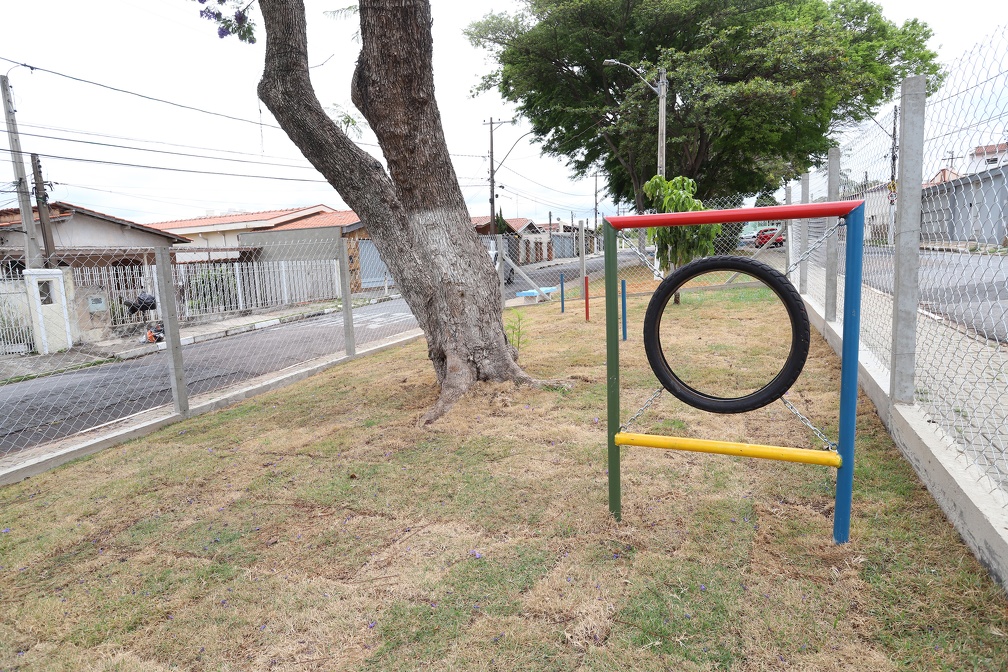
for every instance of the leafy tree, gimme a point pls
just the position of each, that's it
(501, 223)
(755, 86)
(678, 245)
(414, 212)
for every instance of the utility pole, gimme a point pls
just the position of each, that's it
(662, 90)
(33, 255)
(493, 208)
(42, 203)
(890, 230)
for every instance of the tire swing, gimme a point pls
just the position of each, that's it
(767, 394)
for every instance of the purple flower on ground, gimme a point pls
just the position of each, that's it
(476, 554)
(371, 625)
(703, 588)
(5, 530)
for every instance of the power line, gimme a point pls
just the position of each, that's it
(167, 152)
(183, 106)
(174, 170)
(565, 193)
(191, 108)
(154, 142)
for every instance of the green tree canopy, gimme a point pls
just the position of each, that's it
(755, 86)
(678, 245)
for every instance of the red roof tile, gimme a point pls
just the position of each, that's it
(990, 150)
(233, 218)
(322, 219)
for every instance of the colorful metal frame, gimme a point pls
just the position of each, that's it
(843, 459)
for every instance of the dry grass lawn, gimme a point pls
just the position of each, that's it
(317, 528)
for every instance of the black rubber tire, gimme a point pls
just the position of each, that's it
(769, 393)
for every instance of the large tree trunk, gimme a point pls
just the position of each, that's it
(415, 213)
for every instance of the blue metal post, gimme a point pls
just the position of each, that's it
(561, 293)
(623, 294)
(849, 374)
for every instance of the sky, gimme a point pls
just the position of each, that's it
(206, 145)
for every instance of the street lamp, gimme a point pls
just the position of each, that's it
(662, 90)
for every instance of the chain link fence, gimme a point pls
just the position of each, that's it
(962, 355)
(542, 263)
(83, 344)
(961, 363)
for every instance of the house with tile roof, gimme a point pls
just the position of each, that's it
(81, 237)
(294, 234)
(98, 261)
(527, 242)
(217, 237)
(313, 237)
(987, 157)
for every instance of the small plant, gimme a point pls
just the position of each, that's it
(514, 329)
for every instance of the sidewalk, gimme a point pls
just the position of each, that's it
(14, 368)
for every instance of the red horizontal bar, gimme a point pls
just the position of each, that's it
(772, 213)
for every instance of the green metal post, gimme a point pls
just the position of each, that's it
(612, 370)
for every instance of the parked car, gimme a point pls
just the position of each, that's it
(509, 274)
(764, 236)
(748, 236)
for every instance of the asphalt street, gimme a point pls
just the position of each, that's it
(969, 289)
(547, 274)
(52, 407)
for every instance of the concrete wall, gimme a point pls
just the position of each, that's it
(970, 208)
(293, 244)
(82, 230)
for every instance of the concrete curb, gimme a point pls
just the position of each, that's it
(150, 421)
(147, 349)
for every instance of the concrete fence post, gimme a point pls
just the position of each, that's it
(788, 229)
(239, 285)
(169, 319)
(906, 291)
(346, 300)
(833, 242)
(284, 289)
(803, 242)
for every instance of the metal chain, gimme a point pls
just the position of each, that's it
(822, 239)
(647, 404)
(830, 445)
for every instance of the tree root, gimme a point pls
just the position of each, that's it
(460, 380)
(459, 377)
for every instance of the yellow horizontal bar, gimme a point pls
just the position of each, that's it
(827, 458)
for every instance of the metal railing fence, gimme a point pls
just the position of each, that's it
(85, 344)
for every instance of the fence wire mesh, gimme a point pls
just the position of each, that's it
(541, 261)
(868, 173)
(962, 353)
(82, 344)
(961, 369)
